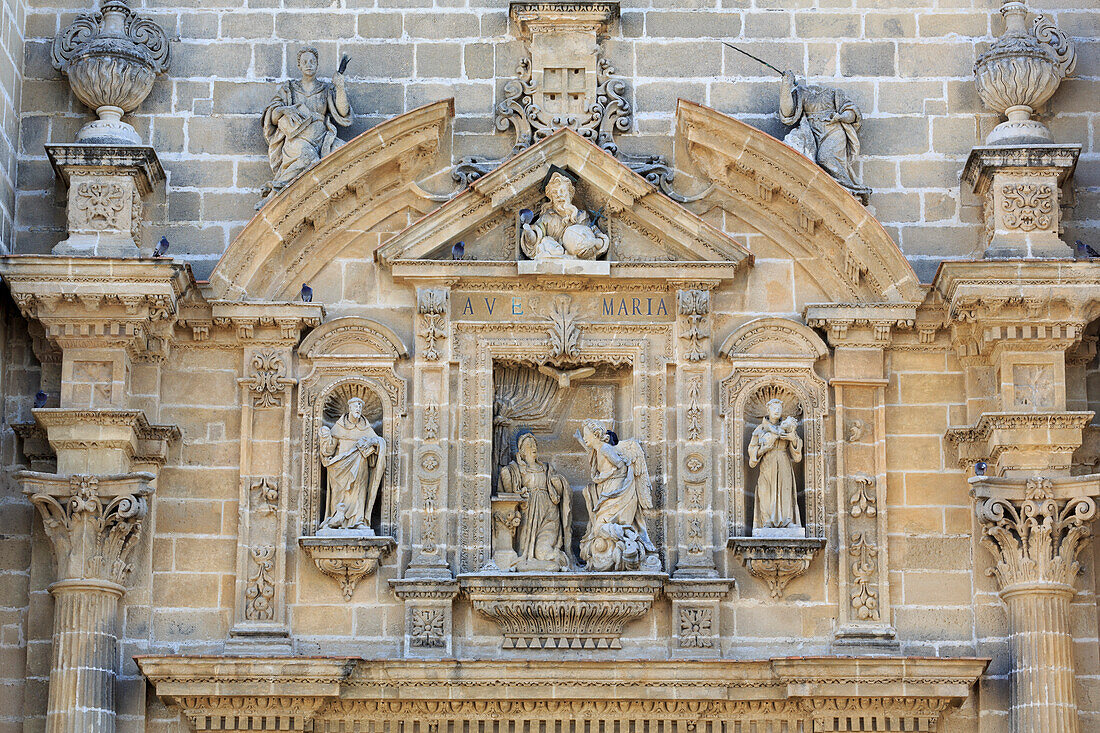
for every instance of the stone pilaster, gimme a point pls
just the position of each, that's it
(93, 524)
(695, 467)
(860, 335)
(1035, 528)
(432, 420)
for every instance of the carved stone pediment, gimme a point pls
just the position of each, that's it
(562, 610)
(651, 235)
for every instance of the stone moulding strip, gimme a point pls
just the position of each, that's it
(328, 688)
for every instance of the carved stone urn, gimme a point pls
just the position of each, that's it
(1021, 71)
(111, 58)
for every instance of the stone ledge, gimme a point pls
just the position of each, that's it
(775, 560)
(562, 610)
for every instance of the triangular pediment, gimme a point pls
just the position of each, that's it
(651, 235)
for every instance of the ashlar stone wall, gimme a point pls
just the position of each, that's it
(907, 63)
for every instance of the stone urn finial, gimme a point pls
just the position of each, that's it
(111, 58)
(1020, 71)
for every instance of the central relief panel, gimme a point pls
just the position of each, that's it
(562, 523)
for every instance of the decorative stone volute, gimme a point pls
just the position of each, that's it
(111, 58)
(1020, 72)
(93, 522)
(1035, 528)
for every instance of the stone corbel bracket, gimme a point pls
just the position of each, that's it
(347, 559)
(562, 610)
(776, 561)
(231, 324)
(861, 324)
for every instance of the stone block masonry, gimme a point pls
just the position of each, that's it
(909, 67)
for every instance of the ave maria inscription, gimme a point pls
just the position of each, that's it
(504, 306)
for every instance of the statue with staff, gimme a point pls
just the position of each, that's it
(826, 123)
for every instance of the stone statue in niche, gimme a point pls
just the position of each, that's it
(300, 122)
(544, 532)
(355, 458)
(827, 123)
(561, 229)
(620, 493)
(775, 447)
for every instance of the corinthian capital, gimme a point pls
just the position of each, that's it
(1035, 527)
(93, 522)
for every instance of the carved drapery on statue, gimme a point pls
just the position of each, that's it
(354, 457)
(827, 127)
(300, 122)
(774, 450)
(617, 498)
(349, 364)
(543, 533)
(561, 230)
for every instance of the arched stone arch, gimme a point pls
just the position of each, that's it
(792, 201)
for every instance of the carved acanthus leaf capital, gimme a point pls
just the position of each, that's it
(1035, 527)
(93, 522)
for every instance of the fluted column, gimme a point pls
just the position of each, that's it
(93, 524)
(1035, 529)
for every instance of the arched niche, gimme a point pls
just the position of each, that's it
(773, 357)
(344, 358)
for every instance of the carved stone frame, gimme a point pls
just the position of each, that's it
(634, 345)
(342, 354)
(774, 353)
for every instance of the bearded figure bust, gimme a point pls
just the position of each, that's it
(561, 230)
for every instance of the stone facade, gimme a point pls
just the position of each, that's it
(652, 423)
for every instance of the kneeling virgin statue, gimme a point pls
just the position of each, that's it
(355, 457)
(545, 514)
(775, 447)
(617, 538)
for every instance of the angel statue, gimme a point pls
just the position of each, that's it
(775, 447)
(561, 230)
(355, 457)
(827, 126)
(620, 493)
(300, 122)
(544, 532)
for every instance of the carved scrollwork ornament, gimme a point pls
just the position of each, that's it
(693, 307)
(268, 379)
(1036, 539)
(431, 304)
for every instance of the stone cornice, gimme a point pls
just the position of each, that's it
(545, 17)
(764, 679)
(138, 161)
(977, 173)
(998, 435)
(225, 323)
(861, 324)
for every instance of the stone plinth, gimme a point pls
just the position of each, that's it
(106, 185)
(1020, 187)
(562, 610)
(429, 627)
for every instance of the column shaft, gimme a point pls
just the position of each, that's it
(1043, 695)
(85, 651)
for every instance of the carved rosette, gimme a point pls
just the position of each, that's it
(347, 559)
(111, 58)
(562, 610)
(776, 561)
(93, 522)
(1021, 71)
